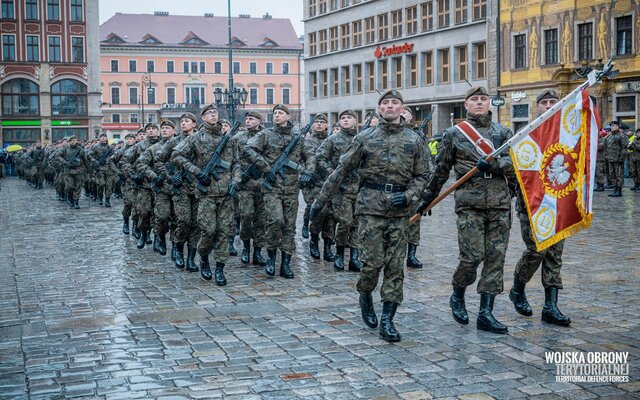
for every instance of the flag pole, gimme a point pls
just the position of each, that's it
(594, 77)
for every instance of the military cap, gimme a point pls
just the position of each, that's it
(190, 116)
(614, 122)
(348, 112)
(476, 90)
(254, 114)
(320, 117)
(103, 134)
(72, 137)
(369, 115)
(167, 122)
(65, 138)
(391, 94)
(281, 107)
(150, 125)
(141, 130)
(130, 135)
(638, 130)
(547, 94)
(225, 121)
(207, 107)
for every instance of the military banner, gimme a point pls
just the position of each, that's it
(555, 166)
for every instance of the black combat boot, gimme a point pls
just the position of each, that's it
(162, 245)
(458, 308)
(232, 250)
(388, 330)
(156, 243)
(191, 255)
(519, 298)
(142, 239)
(125, 226)
(238, 219)
(107, 203)
(355, 265)
(368, 312)
(486, 320)
(173, 250)
(338, 262)
(305, 228)
(219, 273)
(270, 268)
(136, 230)
(412, 261)
(258, 259)
(609, 186)
(616, 192)
(314, 251)
(246, 249)
(327, 254)
(635, 188)
(285, 267)
(205, 269)
(550, 312)
(149, 236)
(75, 204)
(100, 198)
(599, 188)
(179, 260)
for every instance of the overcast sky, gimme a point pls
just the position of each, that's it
(291, 9)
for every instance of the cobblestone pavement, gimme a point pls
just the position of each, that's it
(84, 313)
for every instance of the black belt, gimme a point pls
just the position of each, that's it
(385, 187)
(486, 175)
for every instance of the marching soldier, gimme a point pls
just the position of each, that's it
(615, 153)
(483, 205)
(74, 160)
(37, 158)
(99, 155)
(128, 193)
(550, 258)
(389, 161)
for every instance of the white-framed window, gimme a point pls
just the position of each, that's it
(133, 118)
(269, 68)
(115, 95)
(133, 95)
(253, 67)
(285, 68)
(253, 95)
(115, 118)
(286, 96)
(133, 66)
(171, 95)
(77, 49)
(195, 94)
(151, 66)
(269, 95)
(33, 48)
(8, 47)
(76, 11)
(53, 10)
(54, 49)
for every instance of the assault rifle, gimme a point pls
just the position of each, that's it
(183, 174)
(215, 161)
(250, 172)
(425, 121)
(367, 123)
(72, 161)
(283, 159)
(103, 159)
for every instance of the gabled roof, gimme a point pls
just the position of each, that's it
(183, 30)
(150, 39)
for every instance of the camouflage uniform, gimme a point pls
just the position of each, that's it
(102, 180)
(600, 163)
(144, 196)
(634, 160)
(74, 162)
(36, 160)
(125, 171)
(615, 152)
(325, 224)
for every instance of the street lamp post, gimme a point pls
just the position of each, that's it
(145, 83)
(230, 100)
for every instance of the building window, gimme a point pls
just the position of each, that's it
(312, 44)
(77, 50)
(194, 95)
(371, 76)
(76, 11)
(461, 56)
(427, 61)
(253, 95)
(520, 111)
(357, 75)
(323, 6)
(286, 96)
(20, 97)
(8, 48)
(585, 41)
(151, 66)
(7, 9)
(443, 58)
(133, 95)
(335, 79)
(479, 9)
(356, 33)
(151, 117)
(413, 70)
(312, 8)
(551, 46)
(185, 67)
(625, 104)
(133, 118)
(269, 68)
(324, 84)
(444, 8)
(69, 97)
(170, 66)
(313, 84)
(171, 95)
(345, 36)
(33, 48)
(54, 48)
(520, 50)
(193, 67)
(396, 23)
(426, 16)
(114, 65)
(346, 76)
(412, 20)
(202, 67)
(53, 10)
(269, 96)
(151, 95)
(115, 95)
(31, 10)
(383, 27)
(333, 38)
(217, 67)
(369, 30)
(236, 67)
(253, 68)
(133, 66)
(334, 5)
(397, 70)
(624, 35)
(285, 68)
(460, 11)
(323, 41)
(115, 118)
(383, 66)
(345, 3)
(481, 60)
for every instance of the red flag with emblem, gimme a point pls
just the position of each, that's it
(555, 166)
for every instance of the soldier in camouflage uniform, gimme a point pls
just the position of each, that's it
(226, 128)
(600, 163)
(125, 172)
(280, 203)
(634, 159)
(250, 198)
(344, 202)
(58, 181)
(74, 161)
(185, 203)
(615, 153)
(550, 258)
(215, 206)
(389, 161)
(99, 154)
(483, 205)
(36, 161)
(325, 224)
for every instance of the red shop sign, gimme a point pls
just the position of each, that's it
(393, 50)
